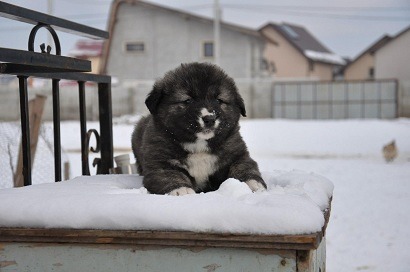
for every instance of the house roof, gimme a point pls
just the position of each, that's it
(114, 13)
(381, 42)
(371, 49)
(305, 43)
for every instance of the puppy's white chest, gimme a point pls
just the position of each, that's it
(201, 166)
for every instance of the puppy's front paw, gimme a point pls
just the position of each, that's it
(255, 186)
(182, 191)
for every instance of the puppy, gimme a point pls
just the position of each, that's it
(190, 142)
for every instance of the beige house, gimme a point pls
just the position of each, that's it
(292, 52)
(362, 67)
(393, 61)
(387, 58)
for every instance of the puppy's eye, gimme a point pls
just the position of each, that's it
(187, 101)
(220, 101)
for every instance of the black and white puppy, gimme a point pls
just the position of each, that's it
(190, 142)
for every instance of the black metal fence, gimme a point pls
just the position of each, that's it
(25, 64)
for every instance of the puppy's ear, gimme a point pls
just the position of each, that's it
(240, 104)
(154, 98)
(242, 107)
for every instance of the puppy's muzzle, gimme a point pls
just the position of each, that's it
(209, 121)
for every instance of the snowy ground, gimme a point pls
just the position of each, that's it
(368, 228)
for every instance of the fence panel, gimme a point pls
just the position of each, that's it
(335, 100)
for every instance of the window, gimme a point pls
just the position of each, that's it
(208, 49)
(135, 47)
(371, 73)
(311, 66)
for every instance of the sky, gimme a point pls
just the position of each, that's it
(346, 27)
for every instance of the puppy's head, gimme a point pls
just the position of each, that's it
(196, 101)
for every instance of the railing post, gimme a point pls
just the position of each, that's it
(56, 125)
(106, 137)
(83, 128)
(25, 130)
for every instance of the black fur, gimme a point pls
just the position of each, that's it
(160, 140)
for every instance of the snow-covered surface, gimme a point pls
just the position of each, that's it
(325, 57)
(293, 204)
(370, 218)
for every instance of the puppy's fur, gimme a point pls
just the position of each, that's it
(190, 142)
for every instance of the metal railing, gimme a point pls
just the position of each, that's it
(25, 64)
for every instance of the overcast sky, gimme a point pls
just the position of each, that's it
(346, 27)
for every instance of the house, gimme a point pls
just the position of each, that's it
(392, 60)
(147, 40)
(292, 52)
(90, 50)
(387, 58)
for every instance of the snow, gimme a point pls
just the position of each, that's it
(325, 57)
(293, 204)
(368, 228)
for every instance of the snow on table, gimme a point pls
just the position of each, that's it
(293, 204)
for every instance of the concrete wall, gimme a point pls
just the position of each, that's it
(171, 39)
(258, 94)
(69, 102)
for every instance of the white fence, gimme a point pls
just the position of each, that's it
(335, 100)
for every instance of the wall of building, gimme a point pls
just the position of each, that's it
(321, 71)
(393, 61)
(288, 61)
(171, 39)
(291, 63)
(359, 70)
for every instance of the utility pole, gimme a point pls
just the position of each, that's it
(217, 33)
(50, 12)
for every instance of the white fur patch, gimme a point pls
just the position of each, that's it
(205, 135)
(201, 166)
(217, 122)
(200, 145)
(182, 191)
(255, 185)
(205, 112)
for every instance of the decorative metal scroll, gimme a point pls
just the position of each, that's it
(95, 149)
(56, 40)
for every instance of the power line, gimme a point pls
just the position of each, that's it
(317, 14)
(326, 12)
(321, 8)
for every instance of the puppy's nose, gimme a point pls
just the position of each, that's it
(209, 120)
